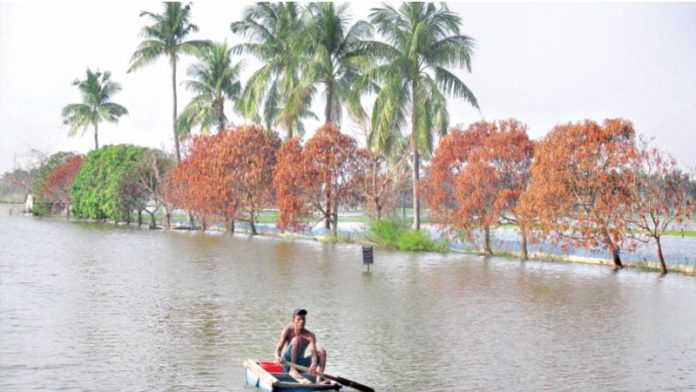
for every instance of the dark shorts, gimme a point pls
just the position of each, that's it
(302, 361)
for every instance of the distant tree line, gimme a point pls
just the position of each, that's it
(590, 185)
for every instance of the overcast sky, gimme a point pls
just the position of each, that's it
(541, 63)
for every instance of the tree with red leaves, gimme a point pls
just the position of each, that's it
(660, 196)
(477, 176)
(250, 157)
(322, 180)
(227, 174)
(56, 189)
(580, 187)
(291, 186)
(199, 185)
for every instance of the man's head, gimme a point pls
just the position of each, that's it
(298, 318)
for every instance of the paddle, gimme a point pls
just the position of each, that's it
(340, 380)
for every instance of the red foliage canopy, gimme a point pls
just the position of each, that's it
(225, 172)
(59, 182)
(477, 175)
(580, 186)
(319, 177)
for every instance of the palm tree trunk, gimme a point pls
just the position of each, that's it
(172, 61)
(415, 175)
(220, 109)
(329, 98)
(96, 137)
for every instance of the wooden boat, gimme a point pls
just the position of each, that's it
(269, 377)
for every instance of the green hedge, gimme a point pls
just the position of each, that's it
(99, 190)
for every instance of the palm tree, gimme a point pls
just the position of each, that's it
(96, 90)
(423, 39)
(279, 42)
(338, 60)
(165, 37)
(214, 80)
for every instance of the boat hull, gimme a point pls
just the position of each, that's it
(255, 375)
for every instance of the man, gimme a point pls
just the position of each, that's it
(294, 340)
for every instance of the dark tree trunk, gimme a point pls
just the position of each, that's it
(252, 223)
(613, 249)
(616, 258)
(327, 216)
(191, 220)
(660, 256)
(525, 255)
(204, 224)
(140, 218)
(487, 241)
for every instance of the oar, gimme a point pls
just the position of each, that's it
(340, 380)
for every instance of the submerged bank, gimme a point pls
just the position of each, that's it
(504, 244)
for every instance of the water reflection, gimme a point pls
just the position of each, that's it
(98, 307)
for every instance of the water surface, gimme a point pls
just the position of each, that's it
(101, 307)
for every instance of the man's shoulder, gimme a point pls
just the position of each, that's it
(287, 330)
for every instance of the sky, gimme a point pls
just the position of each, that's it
(541, 63)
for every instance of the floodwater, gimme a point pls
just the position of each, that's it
(102, 307)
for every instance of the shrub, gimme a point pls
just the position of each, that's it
(385, 232)
(394, 233)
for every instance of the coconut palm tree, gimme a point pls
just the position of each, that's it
(279, 41)
(422, 40)
(338, 61)
(165, 37)
(96, 90)
(214, 79)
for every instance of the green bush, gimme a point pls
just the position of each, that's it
(389, 232)
(386, 231)
(413, 240)
(101, 189)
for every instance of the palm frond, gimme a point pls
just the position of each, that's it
(452, 85)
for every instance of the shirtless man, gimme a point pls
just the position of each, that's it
(293, 342)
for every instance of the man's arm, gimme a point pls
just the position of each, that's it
(281, 343)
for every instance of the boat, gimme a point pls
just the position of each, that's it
(269, 377)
